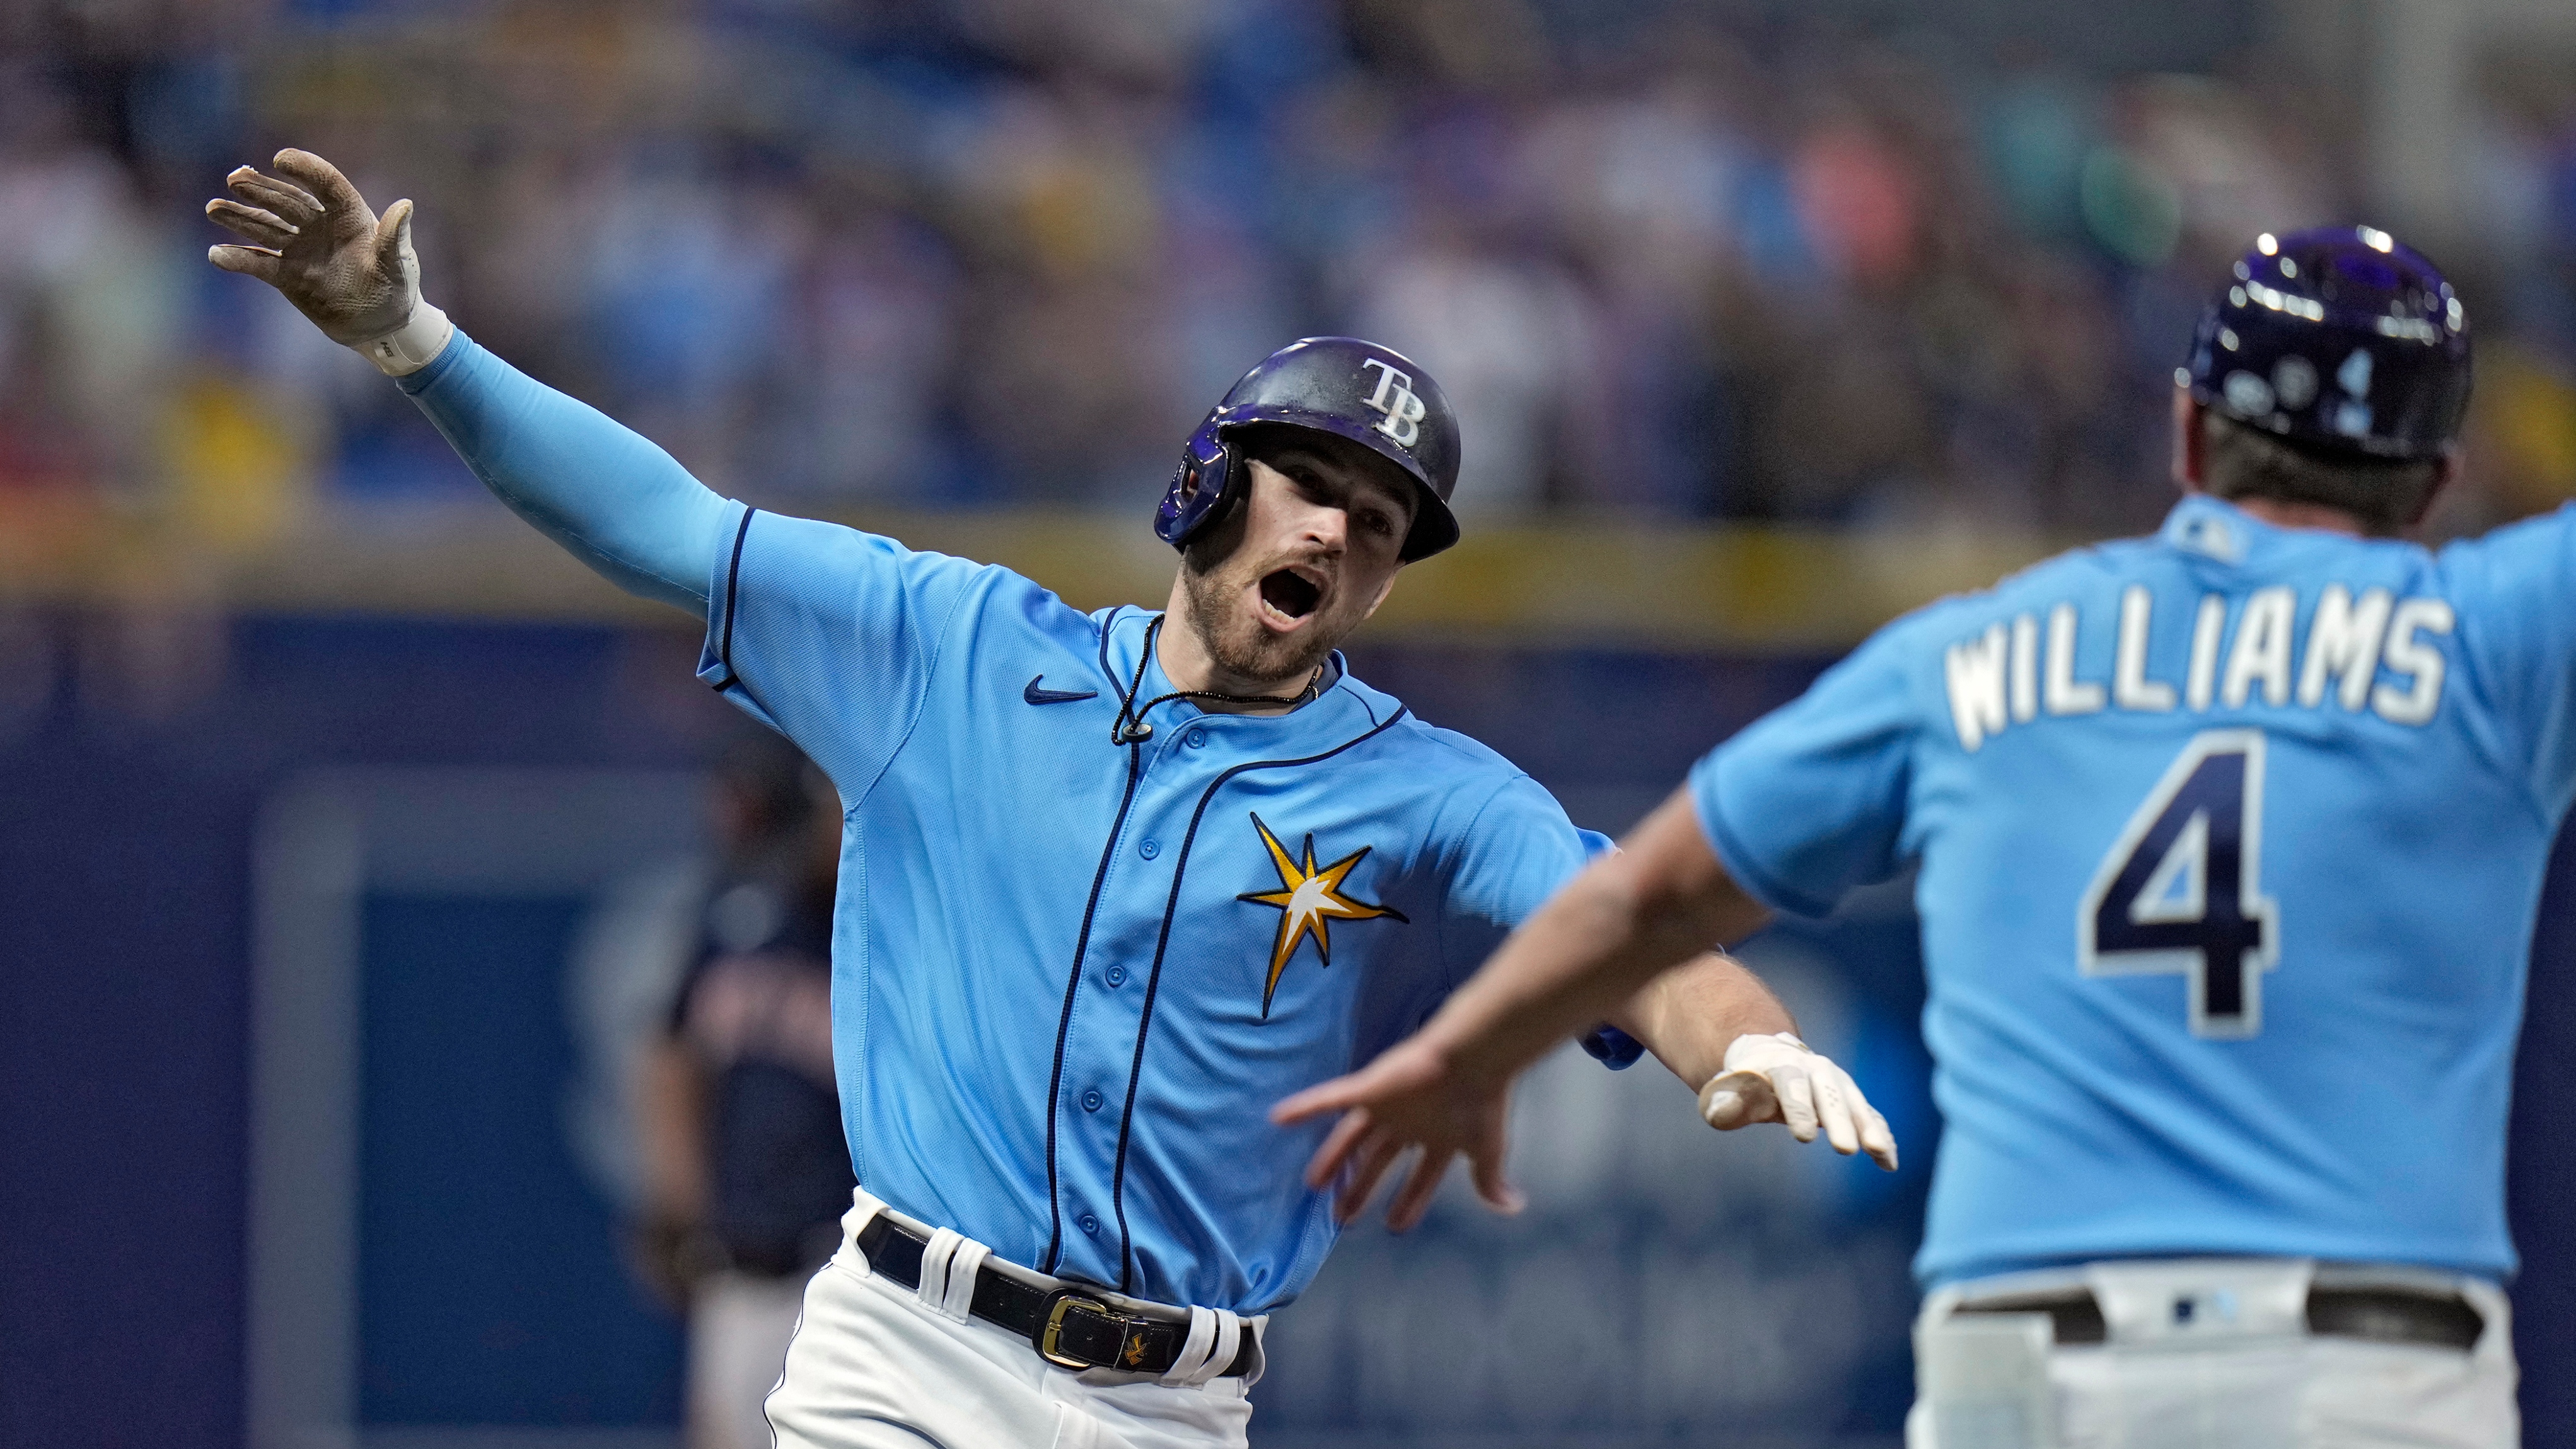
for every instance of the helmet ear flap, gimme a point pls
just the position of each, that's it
(1203, 489)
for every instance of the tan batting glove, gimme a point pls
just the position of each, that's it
(1778, 1079)
(349, 270)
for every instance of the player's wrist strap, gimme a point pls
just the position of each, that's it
(1066, 1326)
(412, 346)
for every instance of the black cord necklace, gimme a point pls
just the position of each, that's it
(1131, 728)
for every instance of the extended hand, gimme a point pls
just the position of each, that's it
(343, 266)
(1777, 1079)
(350, 271)
(1409, 1097)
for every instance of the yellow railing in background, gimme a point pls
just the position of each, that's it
(1661, 587)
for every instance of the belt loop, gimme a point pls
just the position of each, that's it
(864, 1207)
(1256, 1329)
(1198, 1347)
(963, 1267)
(936, 1258)
(1229, 1342)
(1215, 1335)
(2495, 1315)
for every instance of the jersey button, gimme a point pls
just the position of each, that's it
(1091, 1101)
(1198, 738)
(1117, 975)
(1149, 850)
(1090, 1225)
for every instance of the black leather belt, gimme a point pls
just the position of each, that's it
(2379, 1314)
(1067, 1327)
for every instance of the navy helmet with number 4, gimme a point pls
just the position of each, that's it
(2339, 338)
(1371, 395)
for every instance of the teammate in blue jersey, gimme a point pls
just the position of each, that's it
(2230, 842)
(1110, 883)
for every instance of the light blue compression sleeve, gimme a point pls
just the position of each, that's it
(620, 504)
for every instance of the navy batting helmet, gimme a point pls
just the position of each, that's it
(2340, 338)
(1351, 389)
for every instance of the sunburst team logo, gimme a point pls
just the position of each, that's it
(1309, 900)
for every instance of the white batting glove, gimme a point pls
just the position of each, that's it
(353, 273)
(1778, 1079)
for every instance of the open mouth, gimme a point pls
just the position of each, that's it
(1290, 593)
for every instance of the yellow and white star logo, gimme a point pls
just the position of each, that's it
(1309, 900)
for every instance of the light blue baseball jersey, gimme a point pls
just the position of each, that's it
(2230, 843)
(1070, 976)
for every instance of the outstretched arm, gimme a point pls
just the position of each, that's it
(620, 504)
(1604, 947)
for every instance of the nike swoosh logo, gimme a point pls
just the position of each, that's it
(1034, 694)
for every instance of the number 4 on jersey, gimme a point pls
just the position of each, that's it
(2181, 890)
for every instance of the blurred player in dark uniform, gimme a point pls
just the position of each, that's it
(747, 1171)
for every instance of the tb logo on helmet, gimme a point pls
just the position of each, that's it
(1395, 398)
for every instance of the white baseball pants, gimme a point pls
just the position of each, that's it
(874, 1365)
(2243, 1372)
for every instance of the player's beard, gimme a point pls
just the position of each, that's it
(1236, 642)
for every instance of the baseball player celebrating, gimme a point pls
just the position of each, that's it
(2230, 843)
(1110, 883)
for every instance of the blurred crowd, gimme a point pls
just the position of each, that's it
(979, 253)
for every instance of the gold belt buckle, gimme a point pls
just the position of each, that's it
(1047, 1337)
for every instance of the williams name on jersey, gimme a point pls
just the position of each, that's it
(2351, 635)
